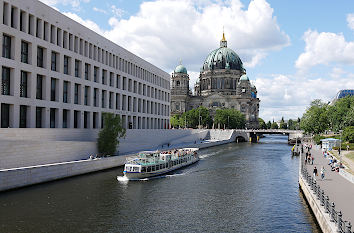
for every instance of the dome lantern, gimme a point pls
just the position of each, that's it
(223, 42)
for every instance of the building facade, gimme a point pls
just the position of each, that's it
(56, 73)
(223, 83)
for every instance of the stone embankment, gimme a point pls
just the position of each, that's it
(31, 156)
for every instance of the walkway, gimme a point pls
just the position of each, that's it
(339, 190)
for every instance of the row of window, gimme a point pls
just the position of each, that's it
(78, 118)
(28, 23)
(113, 80)
(114, 100)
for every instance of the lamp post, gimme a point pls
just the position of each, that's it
(340, 145)
(199, 118)
(228, 122)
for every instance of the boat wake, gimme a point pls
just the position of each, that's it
(204, 156)
(122, 179)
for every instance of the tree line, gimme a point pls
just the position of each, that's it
(291, 124)
(224, 118)
(321, 117)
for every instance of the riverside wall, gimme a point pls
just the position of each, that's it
(322, 218)
(34, 156)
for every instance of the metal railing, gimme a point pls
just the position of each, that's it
(329, 207)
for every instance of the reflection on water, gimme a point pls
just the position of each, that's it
(233, 188)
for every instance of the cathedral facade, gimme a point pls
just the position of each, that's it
(222, 83)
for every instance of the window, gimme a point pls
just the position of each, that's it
(86, 95)
(76, 119)
(111, 81)
(23, 84)
(5, 81)
(65, 118)
(77, 67)
(40, 57)
(24, 52)
(87, 66)
(52, 118)
(118, 81)
(53, 86)
(110, 100)
(66, 65)
(103, 99)
(95, 97)
(94, 120)
(39, 89)
(76, 97)
(39, 111)
(6, 46)
(54, 61)
(65, 91)
(5, 115)
(104, 72)
(86, 116)
(23, 116)
(95, 73)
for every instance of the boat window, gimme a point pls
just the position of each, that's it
(135, 169)
(149, 169)
(143, 169)
(153, 168)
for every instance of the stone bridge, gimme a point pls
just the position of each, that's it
(253, 134)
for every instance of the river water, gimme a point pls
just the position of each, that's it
(233, 188)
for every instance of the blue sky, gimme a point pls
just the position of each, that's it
(294, 51)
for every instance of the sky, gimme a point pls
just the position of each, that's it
(293, 51)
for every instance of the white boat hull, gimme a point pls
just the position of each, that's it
(143, 175)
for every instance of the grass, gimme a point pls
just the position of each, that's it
(350, 156)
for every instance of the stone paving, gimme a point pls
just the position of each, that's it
(339, 190)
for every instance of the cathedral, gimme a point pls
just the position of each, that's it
(222, 83)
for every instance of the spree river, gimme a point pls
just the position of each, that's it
(233, 188)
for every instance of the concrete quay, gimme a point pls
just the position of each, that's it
(16, 177)
(337, 187)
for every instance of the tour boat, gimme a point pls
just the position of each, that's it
(149, 164)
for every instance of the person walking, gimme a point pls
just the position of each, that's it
(315, 173)
(322, 172)
(312, 159)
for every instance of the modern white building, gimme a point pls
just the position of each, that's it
(56, 73)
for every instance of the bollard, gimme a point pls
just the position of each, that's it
(327, 205)
(322, 198)
(339, 222)
(332, 212)
(318, 193)
(348, 228)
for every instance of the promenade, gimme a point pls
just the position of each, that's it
(339, 190)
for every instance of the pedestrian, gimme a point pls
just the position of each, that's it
(347, 147)
(322, 172)
(315, 173)
(312, 159)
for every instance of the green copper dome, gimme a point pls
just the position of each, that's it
(181, 69)
(244, 78)
(223, 58)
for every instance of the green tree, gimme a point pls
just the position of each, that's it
(349, 117)
(291, 124)
(340, 114)
(191, 118)
(107, 141)
(315, 119)
(348, 134)
(269, 125)
(176, 121)
(230, 118)
(283, 125)
(274, 125)
(262, 124)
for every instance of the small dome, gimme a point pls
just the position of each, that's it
(181, 69)
(244, 78)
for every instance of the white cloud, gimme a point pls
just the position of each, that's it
(350, 20)
(117, 11)
(325, 48)
(99, 10)
(289, 95)
(73, 3)
(87, 23)
(165, 30)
